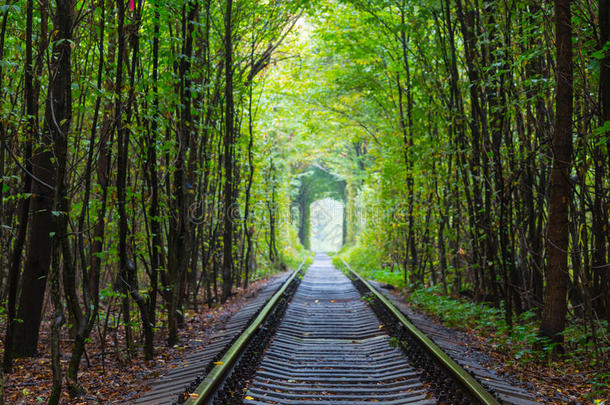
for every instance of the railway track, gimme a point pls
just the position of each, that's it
(326, 338)
(331, 348)
(166, 389)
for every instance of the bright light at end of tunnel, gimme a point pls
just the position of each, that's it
(326, 225)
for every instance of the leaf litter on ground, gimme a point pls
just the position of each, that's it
(119, 378)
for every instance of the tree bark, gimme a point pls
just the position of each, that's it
(153, 181)
(121, 180)
(600, 231)
(178, 240)
(31, 108)
(227, 241)
(84, 319)
(58, 117)
(248, 231)
(555, 300)
(42, 222)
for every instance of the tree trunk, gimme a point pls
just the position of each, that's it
(178, 250)
(153, 181)
(42, 222)
(600, 262)
(121, 180)
(90, 286)
(58, 116)
(248, 231)
(227, 241)
(555, 301)
(31, 108)
(272, 210)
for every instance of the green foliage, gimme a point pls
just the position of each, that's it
(434, 151)
(369, 298)
(522, 341)
(365, 260)
(456, 312)
(599, 386)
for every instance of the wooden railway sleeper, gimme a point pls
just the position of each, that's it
(243, 353)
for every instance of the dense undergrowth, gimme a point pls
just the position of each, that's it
(520, 346)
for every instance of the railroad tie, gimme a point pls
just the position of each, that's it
(330, 348)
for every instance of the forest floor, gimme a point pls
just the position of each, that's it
(108, 375)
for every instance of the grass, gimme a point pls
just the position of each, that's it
(365, 261)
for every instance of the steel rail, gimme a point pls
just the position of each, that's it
(204, 393)
(463, 377)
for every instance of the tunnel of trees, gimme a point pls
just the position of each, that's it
(312, 184)
(156, 156)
